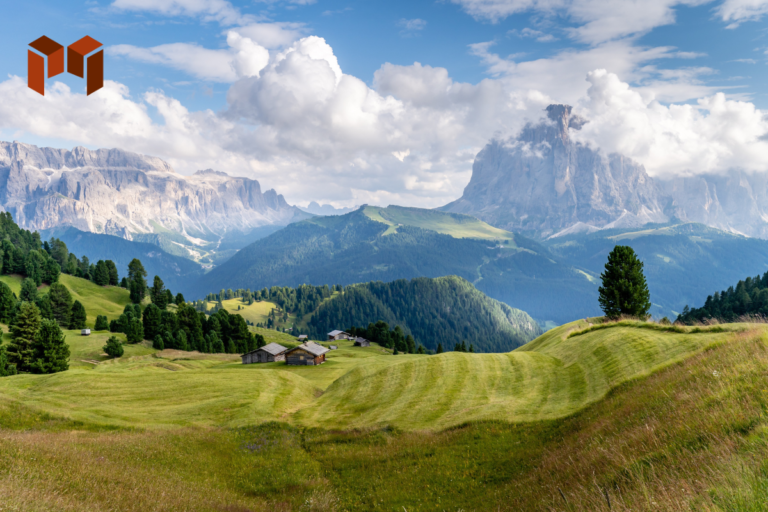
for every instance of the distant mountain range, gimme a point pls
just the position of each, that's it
(136, 197)
(326, 209)
(543, 184)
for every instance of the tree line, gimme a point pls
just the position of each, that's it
(749, 297)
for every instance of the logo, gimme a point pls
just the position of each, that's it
(77, 64)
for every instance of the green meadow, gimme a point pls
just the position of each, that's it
(589, 416)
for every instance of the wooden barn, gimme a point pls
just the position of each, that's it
(338, 335)
(307, 354)
(266, 354)
(362, 342)
(303, 338)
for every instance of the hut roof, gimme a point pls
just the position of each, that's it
(360, 340)
(312, 348)
(273, 349)
(303, 336)
(336, 333)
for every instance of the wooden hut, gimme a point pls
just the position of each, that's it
(307, 354)
(362, 342)
(338, 335)
(266, 354)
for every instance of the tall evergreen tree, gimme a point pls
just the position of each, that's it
(51, 352)
(158, 293)
(101, 274)
(102, 324)
(114, 279)
(61, 304)
(24, 329)
(439, 348)
(134, 331)
(43, 303)
(157, 343)
(624, 290)
(28, 291)
(153, 321)
(79, 316)
(179, 300)
(6, 368)
(137, 282)
(7, 303)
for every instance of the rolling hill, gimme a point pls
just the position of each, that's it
(385, 244)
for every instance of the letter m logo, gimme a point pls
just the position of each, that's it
(36, 62)
(77, 63)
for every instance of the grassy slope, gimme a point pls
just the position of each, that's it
(552, 378)
(456, 225)
(692, 436)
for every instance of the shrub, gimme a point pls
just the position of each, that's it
(114, 348)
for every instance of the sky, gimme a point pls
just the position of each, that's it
(388, 102)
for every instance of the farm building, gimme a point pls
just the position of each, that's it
(266, 354)
(85, 332)
(303, 337)
(338, 335)
(307, 354)
(362, 342)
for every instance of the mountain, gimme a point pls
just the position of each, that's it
(542, 182)
(173, 270)
(326, 209)
(135, 197)
(683, 262)
(445, 310)
(386, 244)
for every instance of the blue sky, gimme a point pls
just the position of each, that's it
(206, 83)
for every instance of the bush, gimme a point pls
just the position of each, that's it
(101, 323)
(114, 348)
(158, 344)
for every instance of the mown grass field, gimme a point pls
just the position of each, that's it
(691, 436)
(630, 413)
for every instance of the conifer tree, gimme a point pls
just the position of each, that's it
(24, 329)
(157, 343)
(102, 323)
(61, 304)
(624, 290)
(137, 283)
(6, 368)
(124, 283)
(114, 348)
(101, 273)
(134, 331)
(471, 348)
(181, 341)
(112, 271)
(153, 321)
(231, 349)
(157, 293)
(439, 348)
(51, 352)
(78, 316)
(43, 303)
(7, 303)
(28, 290)
(395, 352)
(179, 299)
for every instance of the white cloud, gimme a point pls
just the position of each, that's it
(538, 35)
(738, 11)
(220, 11)
(713, 135)
(597, 21)
(273, 35)
(243, 58)
(411, 27)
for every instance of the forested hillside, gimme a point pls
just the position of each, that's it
(174, 270)
(443, 311)
(749, 297)
(354, 248)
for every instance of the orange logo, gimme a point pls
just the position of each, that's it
(76, 62)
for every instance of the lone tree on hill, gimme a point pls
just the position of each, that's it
(114, 348)
(624, 290)
(137, 282)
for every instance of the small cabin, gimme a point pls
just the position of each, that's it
(362, 342)
(338, 335)
(303, 338)
(85, 332)
(333, 347)
(307, 354)
(266, 354)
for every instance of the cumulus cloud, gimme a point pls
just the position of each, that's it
(530, 33)
(243, 58)
(714, 135)
(275, 34)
